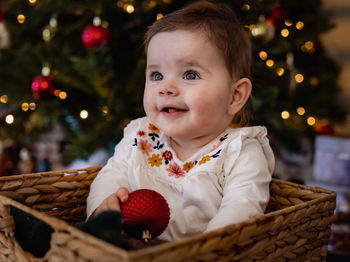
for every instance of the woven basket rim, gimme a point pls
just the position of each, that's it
(49, 173)
(60, 225)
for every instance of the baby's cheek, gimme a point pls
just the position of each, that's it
(208, 102)
(148, 102)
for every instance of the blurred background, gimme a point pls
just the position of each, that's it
(72, 77)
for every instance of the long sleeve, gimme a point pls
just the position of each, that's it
(246, 184)
(111, 177)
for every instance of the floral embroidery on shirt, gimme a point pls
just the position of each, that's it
(141, 133)
(158, 146)
(216, 146)
(216, 154)
(154, 136)
(204, 159)
(224, 137)
(167, 155)
(153, 128)
(188, 166)
(175, 170)
(155, 160)
(144, 146)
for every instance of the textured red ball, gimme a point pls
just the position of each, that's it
(94, 36)
(42, 86)
(146, 214)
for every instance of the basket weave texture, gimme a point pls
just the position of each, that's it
(295, 227)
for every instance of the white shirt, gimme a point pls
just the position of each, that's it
(225, 182)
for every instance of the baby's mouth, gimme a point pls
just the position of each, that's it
(172, 109)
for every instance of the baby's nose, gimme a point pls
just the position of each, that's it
(168, 88)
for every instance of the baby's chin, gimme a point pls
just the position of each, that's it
(179, 136)
(171, 129)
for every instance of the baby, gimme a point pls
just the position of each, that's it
(197, 83)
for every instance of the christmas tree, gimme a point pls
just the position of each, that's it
(80, 64)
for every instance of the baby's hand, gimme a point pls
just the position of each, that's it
(113, 201)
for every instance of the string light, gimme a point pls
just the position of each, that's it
(9, 119)
(285, 32)
(263, 55)
(299, 25)
(32, 2)
(120, 4)
(308, 47)
(285, 114)
(288, 23)
(105, 110)
(104, 24)
(4, 99)
(62, 95)
(159, 16)
(280, 71)
(45, 71)
(152, 4)
(46, 34)
(21, 18)
(299, 78)
(53, 21)
(129, 8)
(84, 114)
(314, 81)
(311, 121)
(25, 106)
(245, 7)
(270, 63)
(96, 21)
(32, 106)
(301, 111)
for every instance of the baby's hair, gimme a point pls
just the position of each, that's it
(221, 26)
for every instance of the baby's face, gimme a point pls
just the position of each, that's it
(188, 88)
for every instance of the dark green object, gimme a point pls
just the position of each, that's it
(106, 225)
(31, 233)
(34, 235)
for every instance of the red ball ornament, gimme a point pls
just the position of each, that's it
(42, 86)
(146, 214)
(94, 36)
(277, 17)
(325, 130)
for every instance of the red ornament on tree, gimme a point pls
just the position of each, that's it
(146, 214)
(324, 129)
(42, 86)
(277, 17)
(94, 36)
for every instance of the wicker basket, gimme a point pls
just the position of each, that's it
(296, 226)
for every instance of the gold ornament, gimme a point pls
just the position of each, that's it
(263, 30)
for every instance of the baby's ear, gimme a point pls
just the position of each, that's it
(241, 90)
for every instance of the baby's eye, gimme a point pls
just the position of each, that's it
(191, 75)
(156, 76)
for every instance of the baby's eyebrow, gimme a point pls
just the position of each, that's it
(193, 63)
(151, 67)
